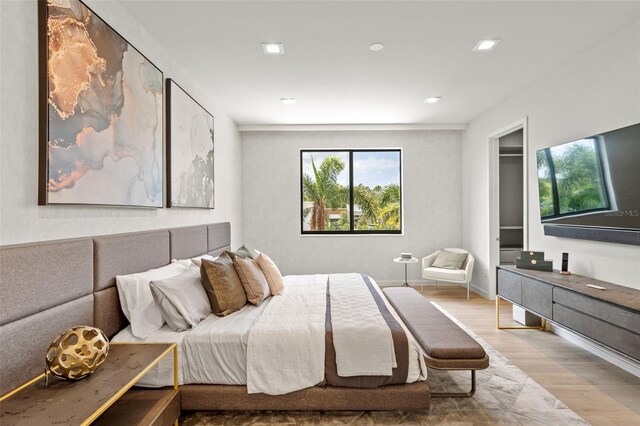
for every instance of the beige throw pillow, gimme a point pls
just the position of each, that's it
(224, 289)
(271, 273)
(252, 279)
(449, 260)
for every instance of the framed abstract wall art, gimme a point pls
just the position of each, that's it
(101, 113)
(190, 142)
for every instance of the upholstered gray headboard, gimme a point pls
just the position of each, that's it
(46, 288)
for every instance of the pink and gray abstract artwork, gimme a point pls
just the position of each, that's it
(104, 124)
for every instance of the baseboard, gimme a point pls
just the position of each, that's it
(480, 291)
(619, 360)
(395, 283)
(428, 283)
(424, 283)
(388, 283)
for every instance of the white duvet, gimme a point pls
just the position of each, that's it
(286, 345)
(216, 350)
(212, 352)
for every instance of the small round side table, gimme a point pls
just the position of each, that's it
(406, 262)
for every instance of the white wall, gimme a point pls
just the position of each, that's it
(595, 91)
(271, 201)
(21, 220)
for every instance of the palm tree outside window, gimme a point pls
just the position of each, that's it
(351, 191)
(571, 180)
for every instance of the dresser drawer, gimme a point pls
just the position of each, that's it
(537, 297)
(509, 285)
(599, 309)
(615, 337)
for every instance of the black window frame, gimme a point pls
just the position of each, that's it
(351, 230)
(554, 186)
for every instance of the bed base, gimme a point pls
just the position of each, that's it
(407, 397)
(88, 295)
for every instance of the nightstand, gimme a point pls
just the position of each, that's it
(104, 398)
(406, 262)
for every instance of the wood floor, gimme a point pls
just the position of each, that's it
(598, 391)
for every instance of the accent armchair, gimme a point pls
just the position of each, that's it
(458, 276)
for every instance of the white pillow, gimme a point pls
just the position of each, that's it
(182, 299)
(198, 260)
(137, 301)
(184, 262)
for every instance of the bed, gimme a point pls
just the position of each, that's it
(78, 277)
(215, 351)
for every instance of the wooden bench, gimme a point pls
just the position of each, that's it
(446, 346)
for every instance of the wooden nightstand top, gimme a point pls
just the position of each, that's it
(81, 402)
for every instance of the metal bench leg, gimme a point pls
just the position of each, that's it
(458, 394)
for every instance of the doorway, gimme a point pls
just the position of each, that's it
(508, 197)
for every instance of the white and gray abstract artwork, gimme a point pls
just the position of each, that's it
(191, 142)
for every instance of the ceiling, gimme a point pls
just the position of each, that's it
(336, 79)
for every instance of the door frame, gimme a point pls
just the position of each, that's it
(494, 195)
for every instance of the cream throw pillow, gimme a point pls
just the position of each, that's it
(449, 260)
(252, 279)
(271, 273)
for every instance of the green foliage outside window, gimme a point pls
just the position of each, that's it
(326, 202)
(578, 179)
(544, 185)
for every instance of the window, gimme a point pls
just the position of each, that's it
(571, 179)
(351, 191)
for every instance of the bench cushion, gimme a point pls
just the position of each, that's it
(446, 345)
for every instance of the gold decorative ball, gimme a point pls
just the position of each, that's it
(77, 353)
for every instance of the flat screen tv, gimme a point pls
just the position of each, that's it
(590, 188)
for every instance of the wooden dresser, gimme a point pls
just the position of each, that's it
(610, 317)
(104, 398)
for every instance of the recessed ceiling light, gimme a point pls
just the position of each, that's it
(288, 101)
(376, 47)
(273, 48)
(484, 45)
(433, 99)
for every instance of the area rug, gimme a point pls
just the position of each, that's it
(505, 396)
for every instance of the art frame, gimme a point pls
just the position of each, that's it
(101, 113)
(190, 149)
